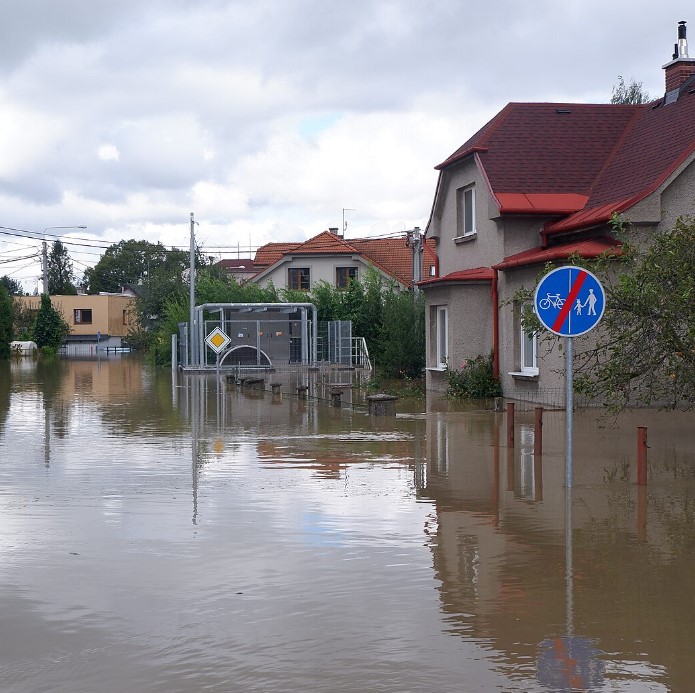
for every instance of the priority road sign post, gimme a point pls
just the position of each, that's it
(569, 301)
(218, 341)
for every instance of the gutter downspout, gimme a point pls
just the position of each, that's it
(495, 329)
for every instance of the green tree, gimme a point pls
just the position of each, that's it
(644, 353)
(133, 262)
(24, 319)
(61, 276)
(12, 285)
(401, 351)
(628, 93)
(212, 286)
(50, 329)
(6, 322)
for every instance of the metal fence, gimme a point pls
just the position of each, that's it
(549, 398)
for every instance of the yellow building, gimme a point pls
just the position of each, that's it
(103, 315)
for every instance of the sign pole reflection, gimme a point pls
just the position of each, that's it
(569, 662)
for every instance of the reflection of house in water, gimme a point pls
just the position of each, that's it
(499, 544)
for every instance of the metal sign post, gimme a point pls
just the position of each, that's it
(569, 301)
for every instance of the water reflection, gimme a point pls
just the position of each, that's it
(183, 534)
(525, 563)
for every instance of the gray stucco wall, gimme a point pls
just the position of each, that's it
(470, 321)
(470, 310)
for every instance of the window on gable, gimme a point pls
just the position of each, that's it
(465, 200)
(299, 278)
(343, 276)
(82, 316)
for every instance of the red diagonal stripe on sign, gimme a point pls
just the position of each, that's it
(569, 302)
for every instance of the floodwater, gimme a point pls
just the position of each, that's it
(194, 536)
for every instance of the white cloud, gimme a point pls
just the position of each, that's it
(108, 152)
(268, 118)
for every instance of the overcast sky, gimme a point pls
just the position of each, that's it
(268, 118)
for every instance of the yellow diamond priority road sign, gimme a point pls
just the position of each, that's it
(217, 340)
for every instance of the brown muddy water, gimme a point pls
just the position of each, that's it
(190, 536)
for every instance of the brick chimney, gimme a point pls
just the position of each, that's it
(682, 67)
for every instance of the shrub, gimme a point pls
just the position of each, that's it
(475, 380)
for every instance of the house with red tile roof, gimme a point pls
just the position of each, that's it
(539, 183)
(333, 259)
(242, 269)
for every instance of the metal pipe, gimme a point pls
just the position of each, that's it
(569, 409)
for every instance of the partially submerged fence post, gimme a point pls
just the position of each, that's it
(302, 391)
(538, 432)
(275, 387)
(382, 405)
(510, 424)
(336, 395)
(641, 455)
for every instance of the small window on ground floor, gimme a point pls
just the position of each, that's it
(442, 337)
(528, 342)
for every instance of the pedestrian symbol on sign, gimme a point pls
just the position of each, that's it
(569, 301)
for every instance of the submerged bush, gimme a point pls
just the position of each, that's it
(475, 380)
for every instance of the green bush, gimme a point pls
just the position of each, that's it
(474, 381)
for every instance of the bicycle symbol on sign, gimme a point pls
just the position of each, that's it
(553, 300)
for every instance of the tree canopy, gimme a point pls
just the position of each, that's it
(12, 285)
(6, 321)
(61, 276)
(50, 329)
(628, 93)
(132, 262)
(645, 349)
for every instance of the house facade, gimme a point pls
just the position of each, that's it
(327, 257)
(106, 317)
(539, 183)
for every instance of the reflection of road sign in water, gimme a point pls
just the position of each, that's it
(217, 340)
(569, 664)
(569, 301)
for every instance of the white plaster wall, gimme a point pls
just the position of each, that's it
(322, 269)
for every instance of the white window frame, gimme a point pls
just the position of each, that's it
(527, 342)
(463, 229)
(442, 336)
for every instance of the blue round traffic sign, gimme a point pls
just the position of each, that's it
(569, 301)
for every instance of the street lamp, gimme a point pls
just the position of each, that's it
(44, 253)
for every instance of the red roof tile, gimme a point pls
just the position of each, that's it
(325, 242)
(544, 158)
(390, 255)
(540, 203)
(587, 249)
(476, 274)
(237, 264)
(270, 253)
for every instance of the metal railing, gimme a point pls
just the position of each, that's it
(360, 353)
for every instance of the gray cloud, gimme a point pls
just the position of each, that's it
(269, 115)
